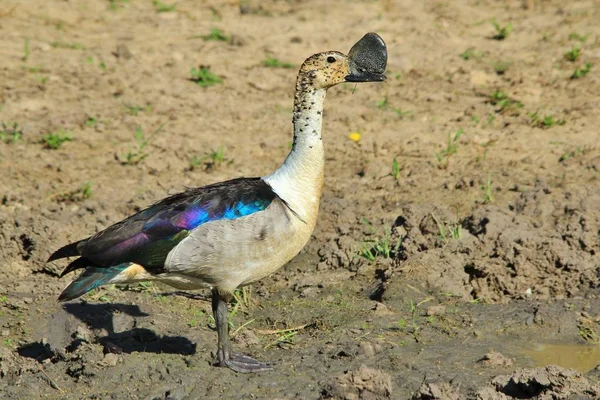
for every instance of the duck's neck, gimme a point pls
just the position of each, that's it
(299, 180)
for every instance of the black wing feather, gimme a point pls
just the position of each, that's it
(147, 236)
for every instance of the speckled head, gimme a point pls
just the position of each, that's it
(366, 62)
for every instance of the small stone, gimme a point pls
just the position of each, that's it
(110, 360)
(5, 332)
(381, 309)
(122, 51)
(237, 40)
(495, 359)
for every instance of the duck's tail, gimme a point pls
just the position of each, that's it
(91, 278)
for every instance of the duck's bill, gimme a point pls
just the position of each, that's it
(365, 77)
(368, 59)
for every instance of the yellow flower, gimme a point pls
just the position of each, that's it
(355, 136)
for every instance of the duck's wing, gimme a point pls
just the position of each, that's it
(146, 238)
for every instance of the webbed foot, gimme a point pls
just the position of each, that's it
(242, 363)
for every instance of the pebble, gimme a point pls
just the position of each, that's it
(110, 359)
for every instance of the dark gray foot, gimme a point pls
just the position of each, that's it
(225, 357)
(242, 363)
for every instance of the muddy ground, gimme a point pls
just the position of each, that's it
(467, 269)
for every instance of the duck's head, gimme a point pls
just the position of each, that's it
(365, 62)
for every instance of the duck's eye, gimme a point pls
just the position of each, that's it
(331, 59)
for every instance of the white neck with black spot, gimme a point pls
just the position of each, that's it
(299, 180)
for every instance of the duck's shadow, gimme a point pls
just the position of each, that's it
(119, 320)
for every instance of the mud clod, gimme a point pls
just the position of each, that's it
(365, 383)
(436, 391)
(543, 383)
(495, 359)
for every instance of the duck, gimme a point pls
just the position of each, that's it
(230, 234)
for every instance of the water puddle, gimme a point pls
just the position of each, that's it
(581, 357)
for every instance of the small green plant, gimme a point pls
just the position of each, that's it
(114, 5)
(487, 190)
(383, 104)
(273, 62)
(401, 113)
(211, 160)
(471, 54)
(217, 156)
(82, 193)
(195, 162)
(582, 71)
(10, 133)
(501, 66)
(8, 342)
(284, 337)
(412, 327)
(55, 139)
(443, 157)
(162, 298)
(26, 51)
(544, 122)
(217, 35)
(64, 45)
(161, 7)
(3, 299)
(36, 71)
(204, 77)
(91, 121)
(504, 102)
(133, 109)
(578, 151)
(448, 231)
(385, 246)
(90, 60)
(502, 32)
(573, 54)
(138, 153)
(86, 190)
(578, 37)
(199, 318)
(401, 324)
(587, 332)
(396, 168)
(486, 147)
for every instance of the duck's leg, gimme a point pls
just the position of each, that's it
(225, 357)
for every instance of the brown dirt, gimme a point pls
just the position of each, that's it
(523, 271)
